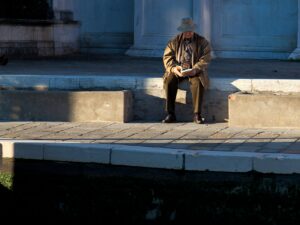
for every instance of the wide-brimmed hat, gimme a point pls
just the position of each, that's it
(186, 25)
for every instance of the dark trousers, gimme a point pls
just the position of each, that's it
(171, 86)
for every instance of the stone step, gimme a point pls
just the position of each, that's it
(67, 106)
(148, 94)
(264, 110)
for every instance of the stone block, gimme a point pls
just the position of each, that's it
(147, 157)
(68, 106)
(22, 150)
(218, 161)
(7, 148)
(264, 110)
(28, 151)
(275, 85)
(71, 152)
(277, 163)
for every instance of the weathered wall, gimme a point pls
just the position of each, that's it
(38, 38)
(236, 29)
(106, 25)
(254, 28)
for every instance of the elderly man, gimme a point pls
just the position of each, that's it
(191, 52)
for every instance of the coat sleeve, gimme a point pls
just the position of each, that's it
(169, 57)
(205, 58)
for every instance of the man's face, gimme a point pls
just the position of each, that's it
(188, 34)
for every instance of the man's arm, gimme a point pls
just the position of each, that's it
(205, 59)
(169, 58)
(170, 63)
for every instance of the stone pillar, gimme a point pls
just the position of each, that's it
(296, 52)
(205, 19)
(156, 22)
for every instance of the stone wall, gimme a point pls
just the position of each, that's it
(106, 25)
(236, 29)
(29, 28)
(23, 38)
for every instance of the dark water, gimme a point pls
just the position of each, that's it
(97, 194)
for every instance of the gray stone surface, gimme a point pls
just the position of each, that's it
(264, 110)
(211, 146)
(77, 153)
(147, 157)
(189, 136)
(66, 106)
(220, 161)
(118, 65)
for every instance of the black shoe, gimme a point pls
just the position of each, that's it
(171, 118)
(3, 60)
(198, 118)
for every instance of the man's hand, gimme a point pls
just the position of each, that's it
(177, 71)
(191, 73)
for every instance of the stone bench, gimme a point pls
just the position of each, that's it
(149, 99)
(264, 110)
(66, 106)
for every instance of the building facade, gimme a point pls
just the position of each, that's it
(235, 28)
(262, 29)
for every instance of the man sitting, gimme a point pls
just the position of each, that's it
(191, 52)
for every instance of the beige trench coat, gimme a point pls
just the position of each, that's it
(200, 58)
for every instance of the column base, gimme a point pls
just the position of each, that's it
(295, 54)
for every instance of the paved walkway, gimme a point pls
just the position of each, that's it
(180, 146)
(188, 136)
(148, 67)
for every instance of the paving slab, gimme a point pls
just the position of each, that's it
(182, 146)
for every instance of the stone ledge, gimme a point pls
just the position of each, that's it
(67, 106)
(132, 81)
(264, 110)
(148, 91)
(166, 158)
(218, 161)
(147, 157)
